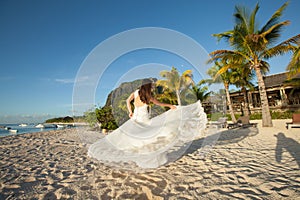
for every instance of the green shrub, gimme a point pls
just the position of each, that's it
(214, 116)
(105, 117)
(274, 115)
(90, 118)
(281, 115)
(255, 116)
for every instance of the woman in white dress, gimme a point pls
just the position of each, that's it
(148, 142)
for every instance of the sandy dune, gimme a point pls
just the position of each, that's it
(249, 163)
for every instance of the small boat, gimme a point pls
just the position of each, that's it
(40, 126)
(23, 125)
(13, 130)
(46, 126)
(60, 126)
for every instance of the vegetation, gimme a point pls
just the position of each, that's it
(214, 116)
(90, 117)
(106, 118)
(165, 95)
(102, 117)
(66, 119)
(293, 44)
(252, 47)
(201, 90)
(174, 82)
(255, 116)
(294, 64)
(169, 90)
(243, 77)
(226, 79)
(274, 115)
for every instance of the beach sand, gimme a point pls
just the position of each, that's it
(244, 163)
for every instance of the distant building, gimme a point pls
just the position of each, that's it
(281, 96)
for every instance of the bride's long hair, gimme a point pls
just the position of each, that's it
(145, 91)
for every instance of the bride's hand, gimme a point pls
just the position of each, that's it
(173, 107)
(130, 115)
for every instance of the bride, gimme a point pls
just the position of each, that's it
(147, 142)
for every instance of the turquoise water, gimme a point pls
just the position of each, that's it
(30, 128)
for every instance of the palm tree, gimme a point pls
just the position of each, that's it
(174, 82)
(254, 46)
(226, 78)
(240, 76)
(165, 95)
(242, 79)
(201, 90)
(294, 65)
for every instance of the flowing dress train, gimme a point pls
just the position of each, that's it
(147, 142)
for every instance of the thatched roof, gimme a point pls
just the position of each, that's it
(276, 80)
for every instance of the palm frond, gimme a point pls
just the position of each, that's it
(202, 82)
(275, 51)
(201, 92)
(273, 33)
(220, 52)
(225, 35)
(208, 81)
(212, 73)
(288, 45)
(295, 40)
(229, 56)
(221, 71)
(164, 73)
(275, 18)
(264, 67)
(241, 15)
(162, 83)
(252, 19)
(244, 45)
(294, 65)
(292, 82)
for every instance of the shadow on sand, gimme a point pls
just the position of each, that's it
(290, 145)
(216, 138)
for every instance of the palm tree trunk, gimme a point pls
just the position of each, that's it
(178, 97)
(265, 110)
(246, 103)
(229, 103)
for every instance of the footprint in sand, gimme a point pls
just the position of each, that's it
(30, 179)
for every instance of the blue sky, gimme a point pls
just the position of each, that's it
(44, 43)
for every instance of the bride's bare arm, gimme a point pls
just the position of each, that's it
(129, 99)
(153, 100)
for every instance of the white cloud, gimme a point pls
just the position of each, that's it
(65, 81)
(72, 80)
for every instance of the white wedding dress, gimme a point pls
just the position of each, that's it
(149, 143)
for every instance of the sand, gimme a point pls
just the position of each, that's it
(244, 163)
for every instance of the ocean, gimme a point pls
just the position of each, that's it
(30, 128)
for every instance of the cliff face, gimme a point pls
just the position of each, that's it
(117, 99)
(124, 89)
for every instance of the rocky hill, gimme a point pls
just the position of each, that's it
(117, 99)
(125, 88)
